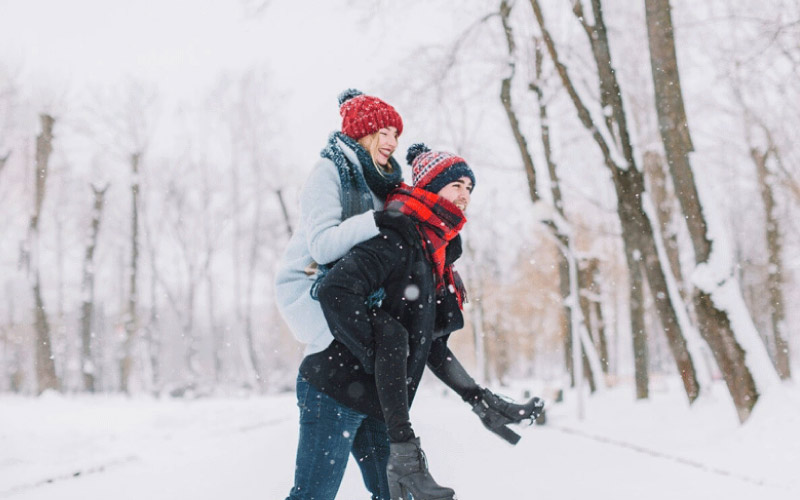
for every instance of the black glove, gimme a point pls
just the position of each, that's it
(403, 224)
(496, 413)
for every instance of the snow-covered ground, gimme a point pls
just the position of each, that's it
(112, 447)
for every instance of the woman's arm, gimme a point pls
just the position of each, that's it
(328, 236)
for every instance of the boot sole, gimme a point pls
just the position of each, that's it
(399, 491)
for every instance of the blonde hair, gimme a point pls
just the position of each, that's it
(370, 143)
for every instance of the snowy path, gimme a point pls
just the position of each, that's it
(244, 449)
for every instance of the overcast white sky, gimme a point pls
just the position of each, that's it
(313, 50)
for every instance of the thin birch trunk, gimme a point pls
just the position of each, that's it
(477, 316)
(150, 332)
(87, 292)
(285, 212)
(131, 314)
(775, 268)
(250, 343)
(590, 306)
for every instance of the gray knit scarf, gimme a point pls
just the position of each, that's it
(356, 186)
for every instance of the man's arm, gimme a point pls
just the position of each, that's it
(495, 412)
(444, 364)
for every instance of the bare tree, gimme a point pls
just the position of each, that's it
(122, 120)
(775, 266)
(637, 230)
(88, 361)
(46, 377)
(717, 298)
(249, 112)
(584, 356)
(131, 313)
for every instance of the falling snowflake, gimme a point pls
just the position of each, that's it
(411, 293)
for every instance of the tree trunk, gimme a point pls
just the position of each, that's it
(663, 199)
(637, 231)
(641, 352)
(563, 288)
(478, 334)
(250, 342)
(505, 98)
(714, 315)
(87, 292)
(285, 212)
(775, 268)
(476, 314)
(3, 160)
(590, 303)
(45, 361)
(189, 335)
(46, 377)
(131, 318)
(218, 335)
(151, 335)
(571, 303)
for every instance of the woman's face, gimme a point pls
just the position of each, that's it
(384, 145)
(458, 192)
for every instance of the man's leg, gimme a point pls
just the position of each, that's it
(327, 431)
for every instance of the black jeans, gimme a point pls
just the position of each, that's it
(391, 371)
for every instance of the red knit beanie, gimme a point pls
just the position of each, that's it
(433, 170)
(363, 115)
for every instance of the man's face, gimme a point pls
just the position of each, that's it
(458, 192)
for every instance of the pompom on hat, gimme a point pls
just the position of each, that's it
(433, 170)
(363, 115)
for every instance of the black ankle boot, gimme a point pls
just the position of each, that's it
(408, 473)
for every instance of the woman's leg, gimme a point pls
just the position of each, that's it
(371, 451)
(327, 430)
(407, 469)
(391, 358)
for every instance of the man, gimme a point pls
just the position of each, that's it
(379, 354)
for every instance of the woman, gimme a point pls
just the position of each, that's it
(422, 298)
(340, 204)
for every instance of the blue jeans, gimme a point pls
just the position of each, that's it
(329, 432)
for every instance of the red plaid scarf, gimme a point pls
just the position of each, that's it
(438, 222)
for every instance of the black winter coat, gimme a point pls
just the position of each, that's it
(395, 261)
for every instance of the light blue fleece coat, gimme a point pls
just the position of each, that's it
(322, 237)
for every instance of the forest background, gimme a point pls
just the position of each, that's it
(636, 191)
